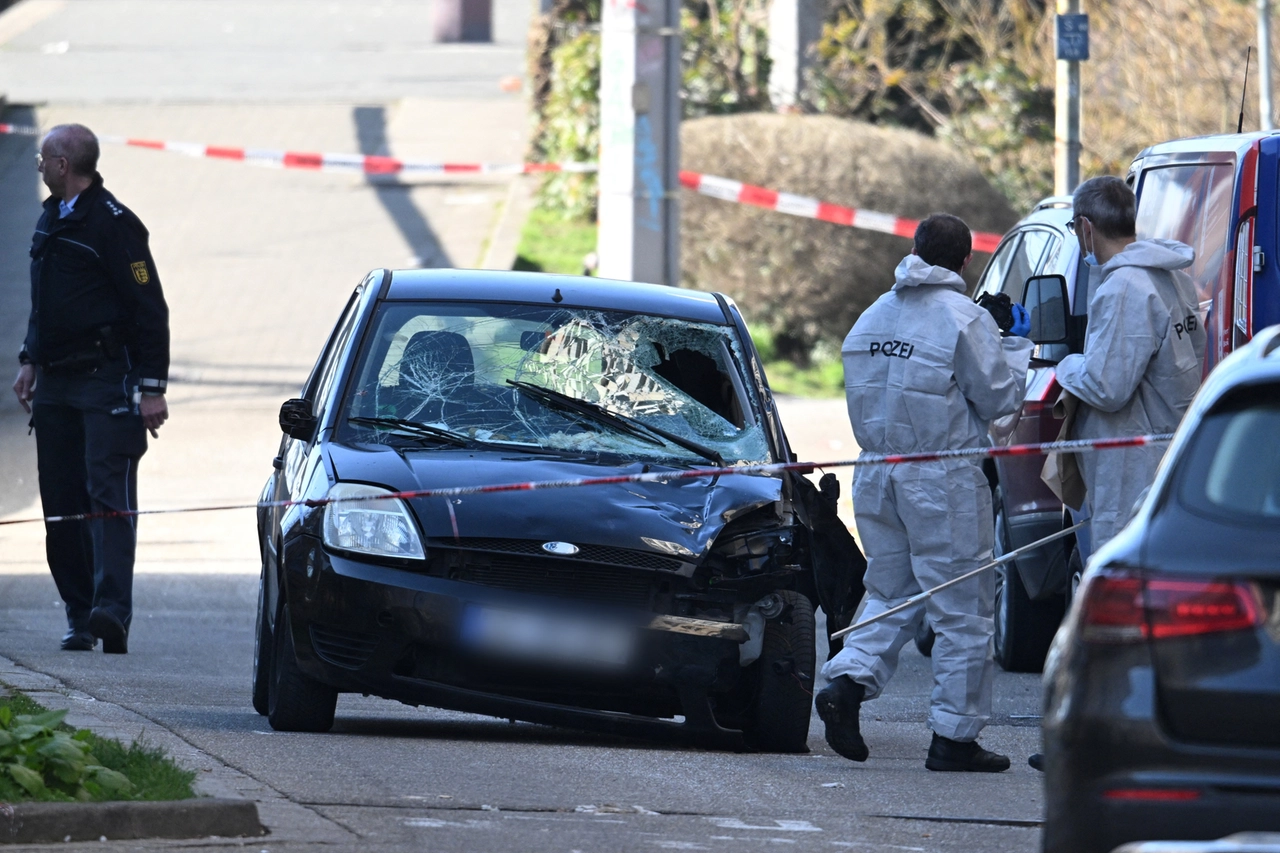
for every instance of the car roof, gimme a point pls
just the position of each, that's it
(567, 291)
(1054, 210)
(1257, 362)
(1221, 143)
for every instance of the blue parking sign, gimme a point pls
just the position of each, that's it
(1073, 37)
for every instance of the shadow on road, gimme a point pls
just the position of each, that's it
(22, 192)
(371, 132)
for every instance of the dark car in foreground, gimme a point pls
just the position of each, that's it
(1162, 689)
(679, 607)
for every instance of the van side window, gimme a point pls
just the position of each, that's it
(1192, 204)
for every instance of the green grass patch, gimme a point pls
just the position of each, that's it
(551, 243)
(817, 380)
(45, 760)
(824, 377)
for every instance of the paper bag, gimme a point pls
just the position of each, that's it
(1061, 471)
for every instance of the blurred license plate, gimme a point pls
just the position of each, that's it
(547, 638)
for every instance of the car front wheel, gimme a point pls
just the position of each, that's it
(262, 648)
(779, 717)
(298, 703)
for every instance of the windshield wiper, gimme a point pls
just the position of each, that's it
(414, 428)
(417, 429)
(622, 423)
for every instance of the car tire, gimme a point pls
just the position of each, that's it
(298, 703)
(262, 648)
(1075, 572)
(1024, 628)
(779, 717)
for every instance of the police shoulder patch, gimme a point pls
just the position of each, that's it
(140, 273)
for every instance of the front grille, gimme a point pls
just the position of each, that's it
(347, 649)
(586, 553)
(567, 578)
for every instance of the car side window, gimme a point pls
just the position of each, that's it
(332, 355)
(1036, 247)
(998, 267)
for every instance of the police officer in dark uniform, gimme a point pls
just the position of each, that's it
(95, 365)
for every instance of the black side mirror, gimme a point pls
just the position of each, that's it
(1045, 298)
(296, 419)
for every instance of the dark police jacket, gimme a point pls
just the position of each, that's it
(95, 292)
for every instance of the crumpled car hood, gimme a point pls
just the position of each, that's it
(688, 513)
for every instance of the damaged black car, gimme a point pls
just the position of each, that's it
(677, 609)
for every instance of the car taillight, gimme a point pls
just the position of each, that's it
(1125, 607)
(1153, 795)
(1042, 389)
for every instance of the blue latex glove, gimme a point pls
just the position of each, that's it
(1021, 321)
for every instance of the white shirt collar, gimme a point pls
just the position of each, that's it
(65, 207)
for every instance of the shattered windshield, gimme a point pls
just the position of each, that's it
(560, 379)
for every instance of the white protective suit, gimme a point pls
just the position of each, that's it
(926, 369)
(1142, 363)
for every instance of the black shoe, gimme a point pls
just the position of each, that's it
(960, 756)
(104, 625)
(1037, 761)
(838, 706)
(78, 641)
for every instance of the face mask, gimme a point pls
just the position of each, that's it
(1090, 258)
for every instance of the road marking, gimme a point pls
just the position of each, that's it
(779, 825)
(436, 823)
(681, 845)
(749, 838)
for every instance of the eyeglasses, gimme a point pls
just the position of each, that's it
(41, 160)
(1071, 226)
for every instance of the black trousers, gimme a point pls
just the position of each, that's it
(88, 463)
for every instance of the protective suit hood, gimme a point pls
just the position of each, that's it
(913, 272)
(1154, 254)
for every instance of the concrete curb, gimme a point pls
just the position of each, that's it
(41, 823)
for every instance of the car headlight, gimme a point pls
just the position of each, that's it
(383, 528)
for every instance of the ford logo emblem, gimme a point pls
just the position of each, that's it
(562, 549)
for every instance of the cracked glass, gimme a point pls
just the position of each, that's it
(553, 379)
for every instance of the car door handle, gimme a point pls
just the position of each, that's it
(278, 463)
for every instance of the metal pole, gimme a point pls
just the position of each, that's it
(1066, 147)
(639, 236)
(916, 599)
(1264, 65)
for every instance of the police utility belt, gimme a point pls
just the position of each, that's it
(105, 347)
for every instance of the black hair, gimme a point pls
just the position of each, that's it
(943, 240)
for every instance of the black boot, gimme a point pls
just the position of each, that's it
(838, 706)
(1036, 760)
(107, 627)
(78, 640)
(965, 756)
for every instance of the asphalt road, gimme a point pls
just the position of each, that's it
(256, 264)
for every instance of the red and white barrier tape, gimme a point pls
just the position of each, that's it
(1084, 445)
(710, 185)
(366, 163)
(812, 208)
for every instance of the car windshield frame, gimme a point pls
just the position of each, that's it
(683, 379)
